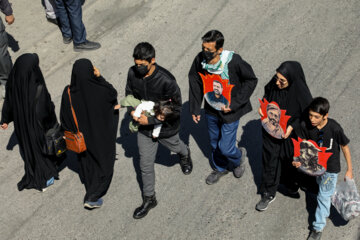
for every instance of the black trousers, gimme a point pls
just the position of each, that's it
(276, 165)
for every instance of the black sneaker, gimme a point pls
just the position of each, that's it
(86, 46)
(266, 199)
(215, 176)
(67, 40)
(186, 162)
(52, 20)
(239, 171)
(314, 235)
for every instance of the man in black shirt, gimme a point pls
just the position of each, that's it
(151, 82)
(223, 123)
(327, 133)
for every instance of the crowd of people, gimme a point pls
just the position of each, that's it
(153, 100)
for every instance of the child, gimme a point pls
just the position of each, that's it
(327, 133)
(161, 110)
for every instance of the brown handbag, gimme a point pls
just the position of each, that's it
(74, 141)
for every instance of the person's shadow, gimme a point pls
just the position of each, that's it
(12, 43)
(251, 139)
(198, 131)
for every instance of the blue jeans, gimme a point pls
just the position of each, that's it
(327, 185)
(223, 143)
(69, 14)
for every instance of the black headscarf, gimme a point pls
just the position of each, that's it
(296, 97)
(32, 118)
(93, 100)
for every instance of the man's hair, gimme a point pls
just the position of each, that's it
(218, 83)
(271, 106)
(214, 36)
(144, 51)
(320, 105)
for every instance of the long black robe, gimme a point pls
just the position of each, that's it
(277, 154)
(93, 100)
(31, 120)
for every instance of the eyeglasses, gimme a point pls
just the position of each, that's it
(320, 140)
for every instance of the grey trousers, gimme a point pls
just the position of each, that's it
(147, 150)
(49, 9)
(5, 59)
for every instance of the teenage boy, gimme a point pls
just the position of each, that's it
(151, 82)
(327, 133)
(222, 124)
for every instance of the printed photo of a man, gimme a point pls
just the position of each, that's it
(215, 98)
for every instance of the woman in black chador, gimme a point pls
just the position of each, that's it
(289, 90)
(94, 101)
(28, 104)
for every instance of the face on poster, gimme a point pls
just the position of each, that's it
(313, 158)
(217, 91)
(274, 120)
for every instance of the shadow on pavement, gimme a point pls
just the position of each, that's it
(13, 44)
(251, 139)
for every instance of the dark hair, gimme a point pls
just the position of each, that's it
(219, 83)
(144, 51)
(166, 108)
(320, 105)
(214, 36)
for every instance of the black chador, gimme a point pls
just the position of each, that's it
(93, 99)
(32, 117)
(277, 154)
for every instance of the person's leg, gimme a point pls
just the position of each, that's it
(327, 185)
(74, 10)
(271, 165)
(227, 143)
(147, 151)
(49, 9)
(174, 144)
(5, 59)
(64, 22)
(217, 160)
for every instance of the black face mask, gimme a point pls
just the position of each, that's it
(142, 70)
(208, 56)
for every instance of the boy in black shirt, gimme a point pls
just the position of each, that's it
(327, 133)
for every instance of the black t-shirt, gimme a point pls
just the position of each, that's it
(330, 136)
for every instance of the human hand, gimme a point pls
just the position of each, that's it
(288, 132)
(10, 19)
(225, 109)
(260, 112)
(118, 106)
(296, 164)
(196, 118)
(4, 126)
(96, 72)
(348, 174)
(143, 120)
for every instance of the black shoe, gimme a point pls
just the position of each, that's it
(86, 46)
(263, 204)
(67, 40)
(52, 20)
(148, 203)
(186, 162)
(215, 176)
(314, 235)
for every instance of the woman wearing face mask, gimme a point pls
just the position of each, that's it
(28, 104)
(289, 90)
(95, 104)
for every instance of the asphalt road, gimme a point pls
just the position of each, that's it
(323, 35)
